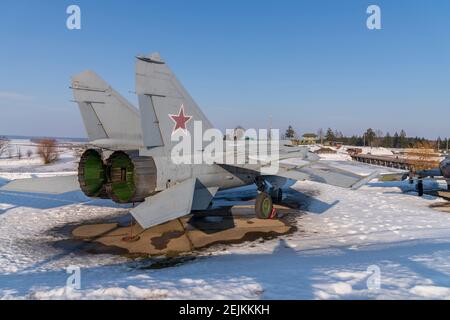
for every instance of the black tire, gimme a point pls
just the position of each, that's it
(420, 188)
(263, 206)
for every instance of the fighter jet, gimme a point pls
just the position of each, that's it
(130, 154)
(442, 172)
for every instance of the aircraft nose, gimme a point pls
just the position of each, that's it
(445, 168)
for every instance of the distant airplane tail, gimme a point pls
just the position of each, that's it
(107, 116)
(166, 107)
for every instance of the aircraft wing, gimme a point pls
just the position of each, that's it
(305, 165)
(48, 185)
(323, 173)
(167, 205)
(285, 152)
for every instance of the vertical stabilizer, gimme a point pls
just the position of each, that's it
(165, 105)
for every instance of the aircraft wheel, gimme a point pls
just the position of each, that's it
(277, 196)
(420, 188)
(263, 206)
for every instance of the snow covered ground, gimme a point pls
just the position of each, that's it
(30, 162)
(377, 242)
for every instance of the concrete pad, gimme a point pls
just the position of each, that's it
(442, 206)
(182, 235)
(243, 229)
(439, 193)
(444, 194)
(93, 231)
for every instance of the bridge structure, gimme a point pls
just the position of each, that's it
(395, 162)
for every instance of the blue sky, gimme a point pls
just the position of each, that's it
(311, 64)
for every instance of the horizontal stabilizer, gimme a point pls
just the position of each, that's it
(106, 114)
(167, 205)
(365, 180)
(48, 185)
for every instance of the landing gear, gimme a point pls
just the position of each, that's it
(263, 206)
(261, 184)
(420, 187)
(267, 196)
(277, 196)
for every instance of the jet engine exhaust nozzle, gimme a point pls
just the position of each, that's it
(92, 174)
(131, 178)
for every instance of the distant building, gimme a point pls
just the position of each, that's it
(309, 138)
(337, 144)
(354, 151)
(238, 133)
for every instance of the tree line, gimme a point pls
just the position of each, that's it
(375, 138)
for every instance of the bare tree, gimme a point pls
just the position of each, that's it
(19, 153)
(4, 145)
(321, 135)
(378, 141)
(47, 150)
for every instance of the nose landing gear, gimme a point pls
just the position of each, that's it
(277, 196)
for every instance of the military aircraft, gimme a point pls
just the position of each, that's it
(442, 172)
(129, 158)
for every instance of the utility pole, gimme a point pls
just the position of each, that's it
(270, 127)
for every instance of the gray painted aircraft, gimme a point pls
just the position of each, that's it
(129, 160)
(442, 172)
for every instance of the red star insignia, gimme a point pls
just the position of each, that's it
(180, 120)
